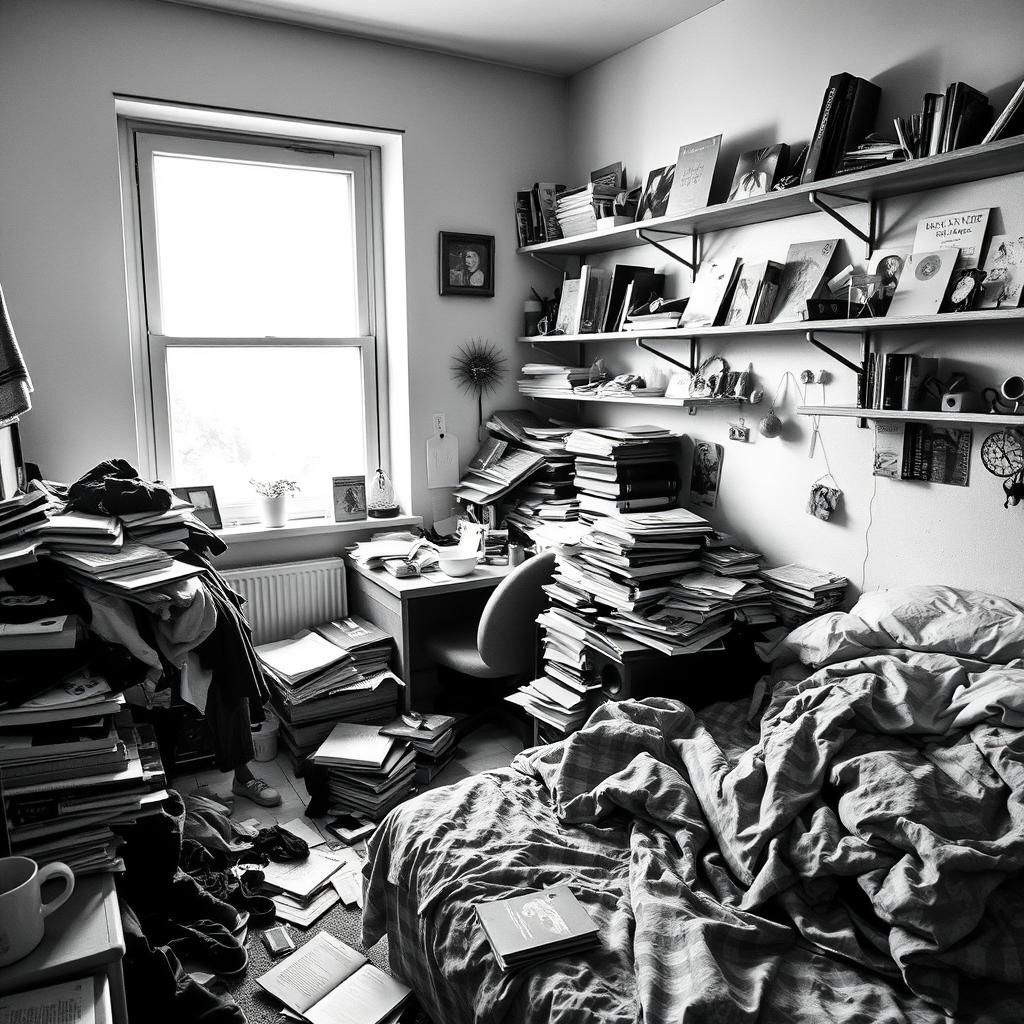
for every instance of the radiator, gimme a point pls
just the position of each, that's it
(282, 599)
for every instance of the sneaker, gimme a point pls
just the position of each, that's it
(257, 791)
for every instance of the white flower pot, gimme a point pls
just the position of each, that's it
(274, 511)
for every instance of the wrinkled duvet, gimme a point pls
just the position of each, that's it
(855, 854)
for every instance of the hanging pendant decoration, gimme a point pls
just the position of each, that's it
(478, 369)
(771, 425)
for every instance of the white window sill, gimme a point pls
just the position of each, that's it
(311, 527)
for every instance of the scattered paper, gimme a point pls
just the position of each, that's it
(72, 1002)
(302, 829)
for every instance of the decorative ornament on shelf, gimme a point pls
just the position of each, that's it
(381, 502)
(274, 500)
(478, 369)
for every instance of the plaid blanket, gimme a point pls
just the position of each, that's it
(857, 857)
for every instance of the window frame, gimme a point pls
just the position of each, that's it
(139, 139)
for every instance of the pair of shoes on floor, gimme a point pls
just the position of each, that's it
(257, 791)
(240, 893)
(212, 944)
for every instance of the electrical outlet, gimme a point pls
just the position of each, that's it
(738, 433)
(437, 418)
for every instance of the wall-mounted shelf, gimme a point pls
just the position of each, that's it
(913, 416)
(672, 403)
(979, 317)
(1004, 156)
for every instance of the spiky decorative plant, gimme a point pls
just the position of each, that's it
(478, 368)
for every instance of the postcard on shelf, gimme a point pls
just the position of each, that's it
(923, 283)
(349, 498)
(691, 184)
(710, 290)
(568, 305)
(888, 461)
(1004, 273)
(654, 201)
(963, 231)
(884, 270)
(741, 305)
(806, 268)
(757, 171)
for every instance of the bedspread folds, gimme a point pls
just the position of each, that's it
(857, 857)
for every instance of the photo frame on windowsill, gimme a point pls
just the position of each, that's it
(465, 264)
(204, 502)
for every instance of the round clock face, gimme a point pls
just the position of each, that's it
(1003, 453)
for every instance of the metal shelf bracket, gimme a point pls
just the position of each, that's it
(545, 262)
(841, 358)
(865, 236)
(690, 264)
(669, 359)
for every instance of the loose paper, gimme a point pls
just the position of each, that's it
(72, 1002)
(443, 461)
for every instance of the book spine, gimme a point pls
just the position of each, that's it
(892, 384)
(825, 129)
(866, 383)
(523, 224)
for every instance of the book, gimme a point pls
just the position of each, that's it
(1008, 115)
(622, 276)
(490, 451)
(526, 233)
(710, 289)
(744, 295)
(964, 231)
(536, 926)
(817, 162)
(301, 879)
(923, 283)
(595, 300)
(757, 171)
(966, 116)
(354, 745)
(568, 306)
(1004, 273)
(691, 181)
(889, 442)
(654, 201)
(545, 193)
(802, 277)
(328, 982)
(857, 117)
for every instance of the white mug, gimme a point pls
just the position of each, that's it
(22, 910)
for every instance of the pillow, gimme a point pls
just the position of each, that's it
(968, 623)
(824, 640)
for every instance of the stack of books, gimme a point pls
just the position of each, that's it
(368, 773)
(627, 469)
(303, 891)
(874, 151)
(751, 604)
(21, 517)
(800, 593)
(847, 115)
(165, 530)
(74, 767)
(432, 739)
(961, 116)
(578, 209)
(495, 481)
(526, 930)
(540, 379)
(336, 672)
(562, 707)
(78, 531)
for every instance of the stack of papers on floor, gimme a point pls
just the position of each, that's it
(369, 646)
(303, 891)
(366, 772)
(563, 707)
(307, 666)
(432, 740)
(800, 593)
(538, 926)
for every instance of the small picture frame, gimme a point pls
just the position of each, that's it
(678, 385)
(349, 498)
(466, 264)
(204, 501)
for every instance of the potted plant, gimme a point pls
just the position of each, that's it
(274, 499)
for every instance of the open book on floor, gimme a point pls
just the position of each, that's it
(328, 982)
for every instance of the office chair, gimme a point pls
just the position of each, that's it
(504, 644)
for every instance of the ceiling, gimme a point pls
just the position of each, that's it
(558, 37)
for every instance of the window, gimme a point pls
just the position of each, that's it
(257, 271)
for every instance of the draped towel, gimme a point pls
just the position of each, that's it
(15, 385)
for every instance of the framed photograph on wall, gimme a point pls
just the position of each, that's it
(466, 264)
(349, 498)
(204, 501)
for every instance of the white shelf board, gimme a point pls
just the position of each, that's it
(1004, 156)
(675, 403)
(913, 416)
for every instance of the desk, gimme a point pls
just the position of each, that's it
(82, 937)
(409, 608)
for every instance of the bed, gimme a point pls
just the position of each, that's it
(850, 850)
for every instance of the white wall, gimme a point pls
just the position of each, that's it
(473, 134)
(755, 72)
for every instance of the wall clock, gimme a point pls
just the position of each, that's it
(1002, 453)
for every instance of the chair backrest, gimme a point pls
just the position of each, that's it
(506, 637)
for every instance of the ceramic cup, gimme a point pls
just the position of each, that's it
(22, 910)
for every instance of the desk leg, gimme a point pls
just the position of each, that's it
(118, 1000)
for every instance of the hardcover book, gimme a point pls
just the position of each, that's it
(537, 926)
(806, 268)
(964, 231)
(757, 170)
(545, 192)
(1004, 273)
(691, 183)
(923, 283)
(568, 306)
(654, 201)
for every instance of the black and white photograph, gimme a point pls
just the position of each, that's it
(349, 498)
(757, 170)
(204, 504)
(654, 201)
(466, 264)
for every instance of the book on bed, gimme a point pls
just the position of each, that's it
(328, 982)
(524, 930)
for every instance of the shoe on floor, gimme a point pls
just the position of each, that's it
(213, 945)
(257, 791)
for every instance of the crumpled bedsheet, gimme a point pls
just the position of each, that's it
(856, 857)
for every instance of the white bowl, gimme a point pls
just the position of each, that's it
(461, 566)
